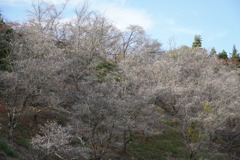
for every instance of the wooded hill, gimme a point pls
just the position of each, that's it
(85, 90)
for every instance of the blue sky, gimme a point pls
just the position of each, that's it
(172, 22)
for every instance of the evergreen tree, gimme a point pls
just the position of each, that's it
(6, 33)
(213, 52)
(197, 42)
(234, 53)
(223, 55)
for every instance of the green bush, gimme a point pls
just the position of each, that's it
(6, 36)
(105, 71)
(236, 59)
(6, 149)
(106, 66)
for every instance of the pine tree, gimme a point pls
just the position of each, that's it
(223, 55)
(6, 33)
(197, 42)
(213, 52)
(234, 53)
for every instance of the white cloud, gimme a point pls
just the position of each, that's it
(116, 10)
(123, 17)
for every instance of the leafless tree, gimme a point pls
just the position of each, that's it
(197, 90)
(35, 61)
(195, 81)
(53, 137)
(92, 34)
(132, 39)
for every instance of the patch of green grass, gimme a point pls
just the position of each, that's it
(170, 142)
(7, 150)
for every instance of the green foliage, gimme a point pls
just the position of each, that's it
(194, 131)
(213, 52)
(208, 107)
(105, 71)
(235, 55)
(197, 42)
(223, 55)
(6, 149)
(6, 33)
(103, 68)
(108, 65)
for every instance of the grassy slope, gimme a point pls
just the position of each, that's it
(168, 144)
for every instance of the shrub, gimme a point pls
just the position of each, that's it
(6, 149)
(6, 34)
(106, 66)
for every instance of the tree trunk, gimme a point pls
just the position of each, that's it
(10, 132)
(35, 120)
(126, 140)
(11, 125)
(192, 155)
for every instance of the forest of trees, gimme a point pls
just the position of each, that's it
(88, 91)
